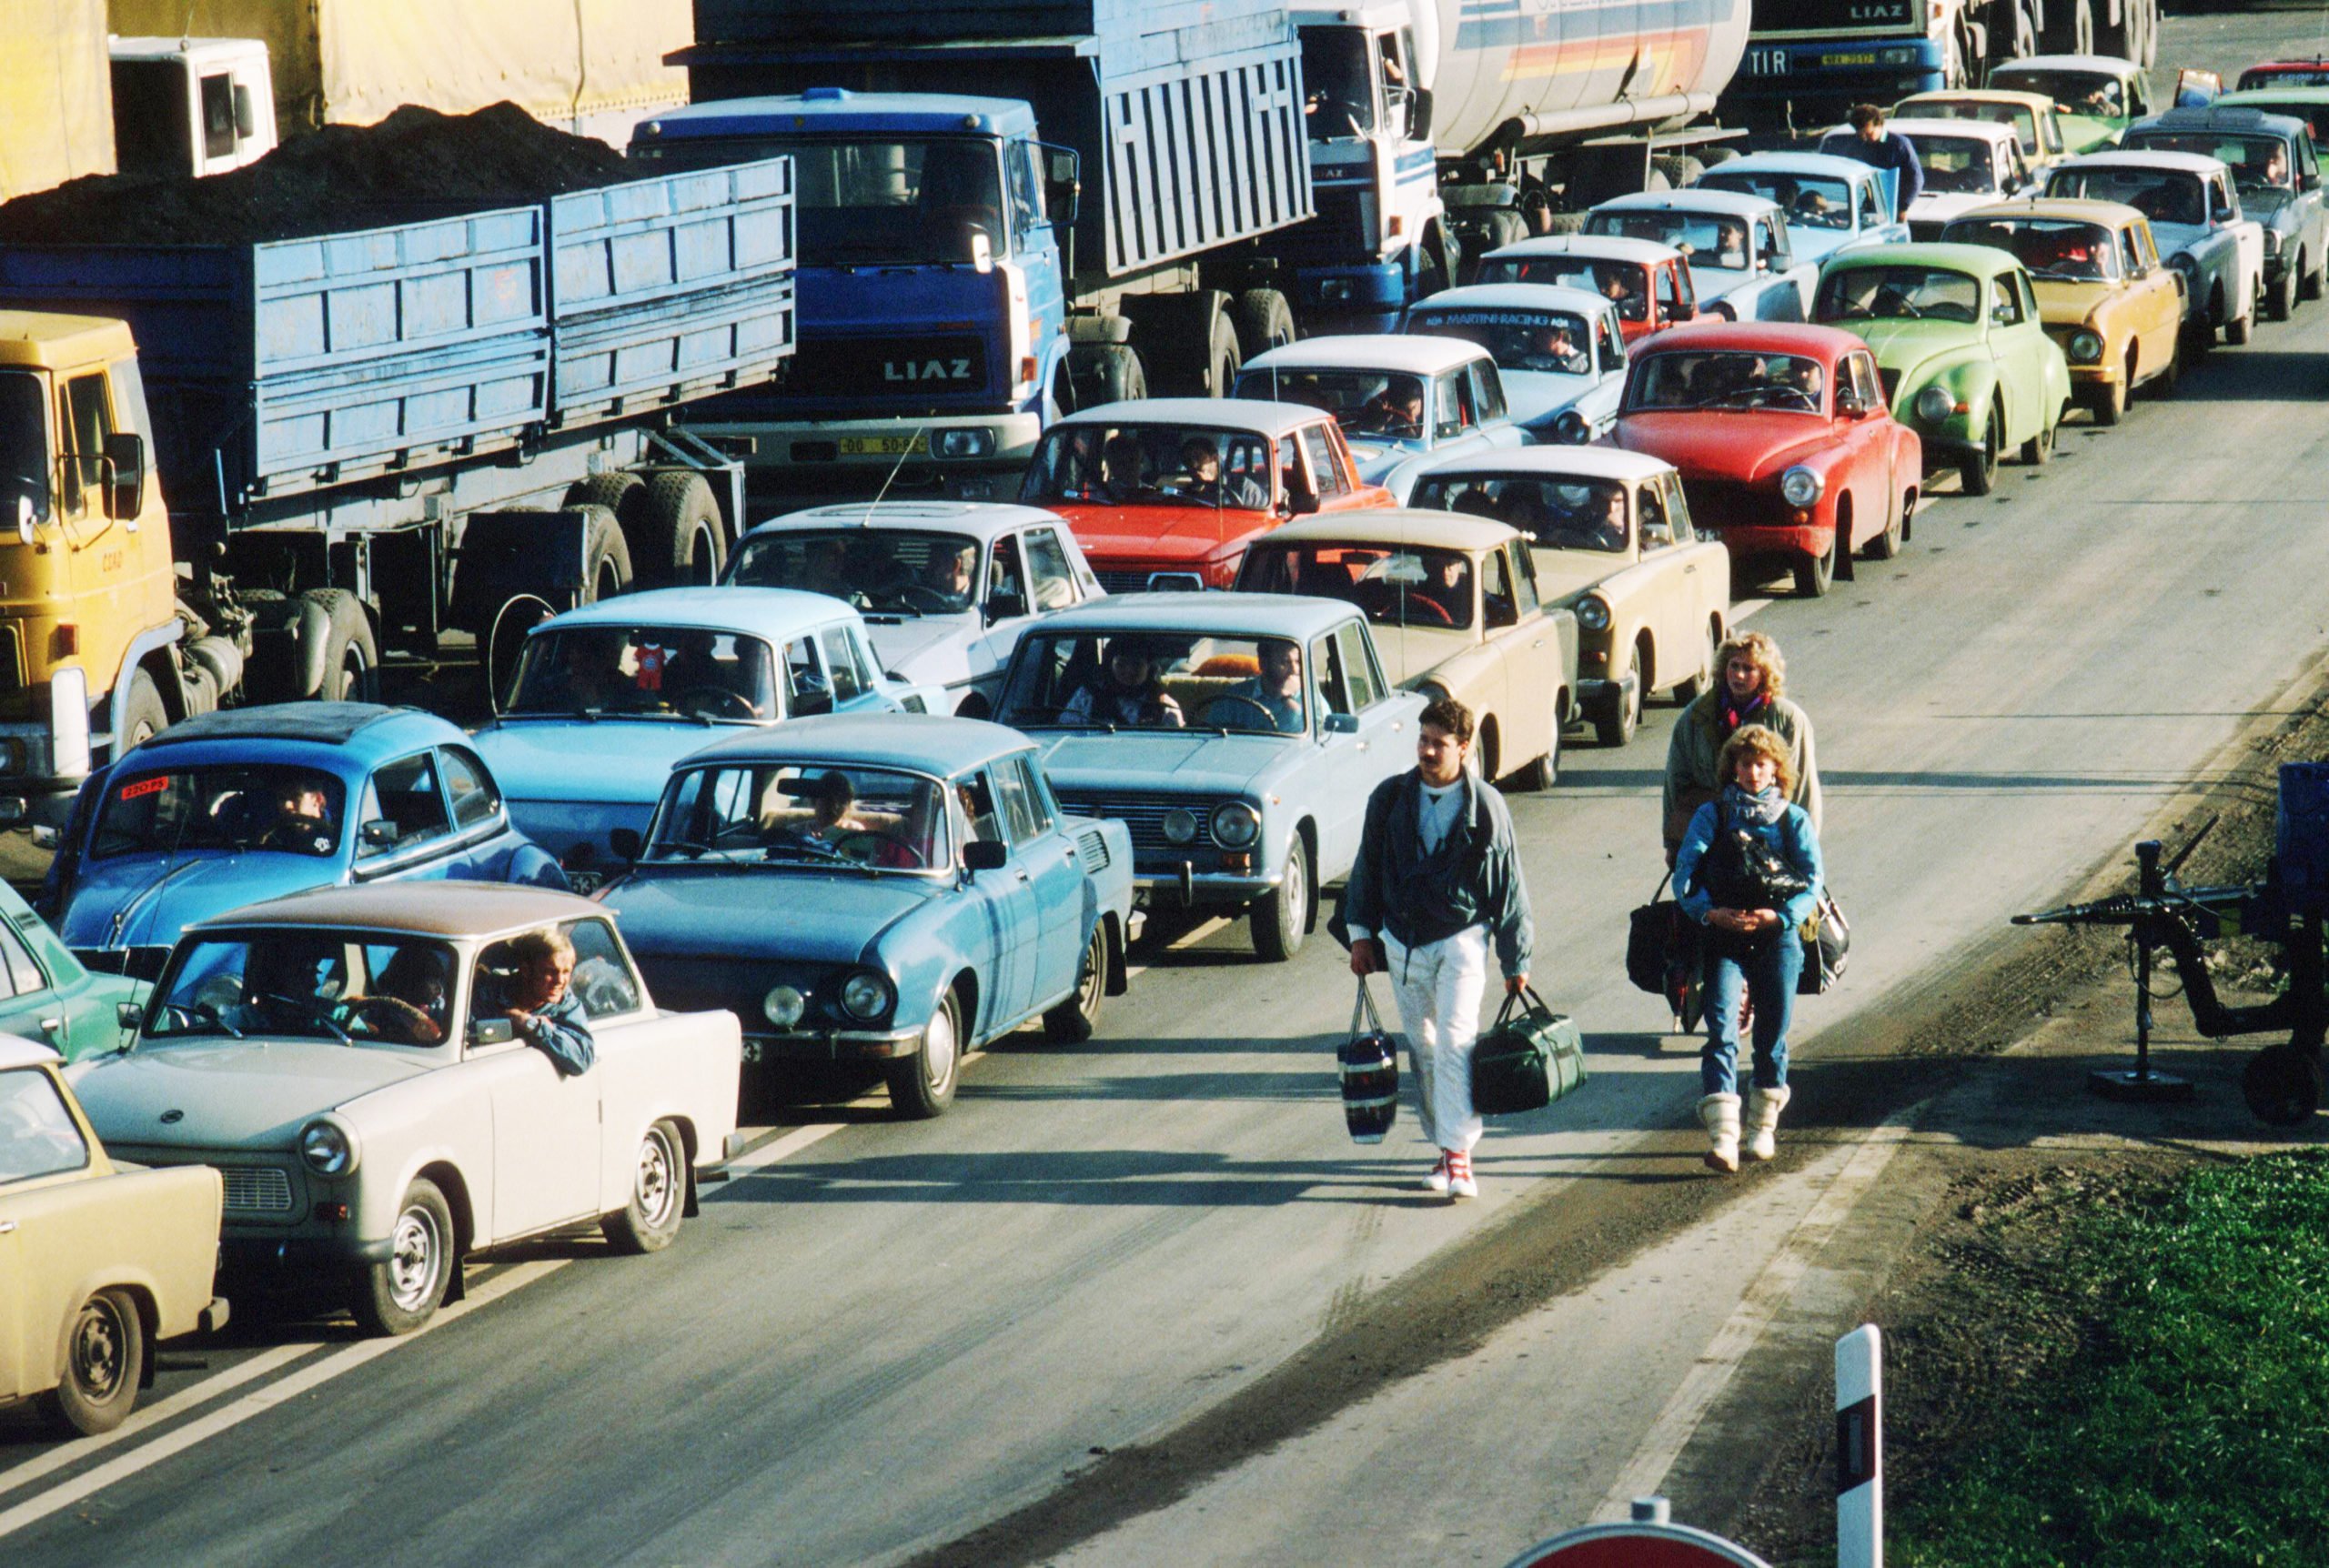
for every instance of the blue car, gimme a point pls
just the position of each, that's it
(1237, 734)
(234, 807)
(605, 697)
(882, 888)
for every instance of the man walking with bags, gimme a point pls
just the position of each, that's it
(1436, 880)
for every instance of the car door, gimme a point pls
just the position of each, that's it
(1330, 470)
(405, 831)
(2015, 358)
(1048, 861)
(1869, 438)
(1350, 759)
(481, 836)
(1007, 896)
(1498, 431)
(850, 667)
(1497, 615)
(1663, 610)
(2157, 300)
(547, 1127)
(49, 1220)
(1532, 661)
(29, 1005)
(1705, 567)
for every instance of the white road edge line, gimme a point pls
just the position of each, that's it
(203, 1428)
(1747, 607)
(1187, 939)
(783, 1147)
(1646, 1473)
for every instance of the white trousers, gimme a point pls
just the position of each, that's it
(1438, 985)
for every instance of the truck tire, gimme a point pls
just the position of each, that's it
(1720, 153)
(2123, 38)
(624, 494)
(2069, 27)
(606, 558)
(1101, 373)
(350, 669)
(1565, 222)
(1265, 321)
(1502, 228)
(1680, 169)
(143, 716)
(676, 543)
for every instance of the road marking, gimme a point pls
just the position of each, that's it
(783, 1147)
(1747, 607)
(203, 1392)
(1646, 1473)
(1187, 939)
(205, 1427)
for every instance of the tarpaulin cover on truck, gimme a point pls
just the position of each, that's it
(57, 120)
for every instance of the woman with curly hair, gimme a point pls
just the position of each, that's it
(1749, 688)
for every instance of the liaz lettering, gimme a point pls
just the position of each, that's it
(926, 370)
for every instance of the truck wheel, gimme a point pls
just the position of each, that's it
(1502, 228)
(1566, 222)
(624, 494)
(676, 540)
(351, 657)
(104, 1358)
(2281, 1084)
(605, 557)
(1223, 360)
(1265, 321)
(1680, 169)
(1109, 373)
(2069, 27)
(143, 716)
(923, 1085)
(1282, 918)
(1441, 259)
(403, 1291)
(1074, 1020)
(658, 1195)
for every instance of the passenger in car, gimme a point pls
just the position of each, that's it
(538, 999)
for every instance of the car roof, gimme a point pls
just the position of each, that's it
(2265, 97)
(2149, 158)
(755, 612)
(484, 909)
(2222, 117)
(15, 1050)
(1983, 260)
(1695, 198)
(1594, 247)
(2107, 65)
(2081, 208)
(1766, 336)
(1204, 615)
(1827, 164)
(1398, 526)
(912, 742)
(1584, 462)
(1516, 297)
(320, 723)
(1417, 355)
(982, 519)
(1254, 414)
(1975, 130)
(830, 110)
(2015, 96)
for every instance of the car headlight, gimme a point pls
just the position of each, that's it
(1180, 826)
(2182, 262)
(1235, 824)
(1572, 428)
(1592, 614)
(1935, 405)
(2086, 347)
(2272, 242)
(1800, 487)
(784, 1006)
(328, 1147)
(974, 442)
(866, 995)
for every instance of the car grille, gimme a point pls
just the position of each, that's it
(1135, 579)
(1728, 503)
(1338, 232)
(1092, 845)
(256, 1189)
(1143, 819)
(921, 366)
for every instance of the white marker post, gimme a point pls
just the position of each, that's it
(1860, 1449)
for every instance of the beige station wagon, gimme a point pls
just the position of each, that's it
(1455, 611)
(1613, 542)
(98, 1262)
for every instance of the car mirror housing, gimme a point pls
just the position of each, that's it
(491, 1032)
(986, 855)
(380, 833)
(1341, 724)
(128, 1014)
(624, 842)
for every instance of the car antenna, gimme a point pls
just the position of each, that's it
(895, 469)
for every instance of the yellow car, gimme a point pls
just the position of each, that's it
(2104, 294)
(2036, 119)
(98, 1261)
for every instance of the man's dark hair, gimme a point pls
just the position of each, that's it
(1864, 116)
(1446, 713)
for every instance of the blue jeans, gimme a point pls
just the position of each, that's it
(1768, 975)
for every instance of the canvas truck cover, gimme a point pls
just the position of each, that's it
(56, 84)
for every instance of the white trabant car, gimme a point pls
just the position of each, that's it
(1401, 401)
(1560, 352)
(1967, 164)
(347, 1059)
(2193, 209)
(945, 586)
(1742, 263)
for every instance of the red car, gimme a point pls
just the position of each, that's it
(2313, 73)
(1785, 446)
(1648, 282)
(1167, 492)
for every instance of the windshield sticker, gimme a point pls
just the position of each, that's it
(152, 785)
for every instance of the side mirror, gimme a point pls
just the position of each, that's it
(986, 855)
(1419, 115)
(1004, 607)
(380, 833)
(129, 1014)
(245, 116)
(1849, 406)
(1341, 724)
(1301, 500)
(625, 843)
(124, 460)
(811, 700)
(491, 1032)
(1684, 311)
(1063, 184)
(46, 836)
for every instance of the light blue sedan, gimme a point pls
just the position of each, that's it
(1237, 736)
(1831, 203)
(1402, 401)
(1560, 351)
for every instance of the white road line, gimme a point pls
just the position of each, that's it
(1747, 607)
(1187, 939)
(782, 1147)
(1646, 1473)
(203, 1428)
(71, 1453)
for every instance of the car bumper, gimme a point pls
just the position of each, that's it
(212, 1318)
(1186, 887)
(1762, 541)
(251, 1255)
(1602, 699)
(2110, 372)
(833, 1045)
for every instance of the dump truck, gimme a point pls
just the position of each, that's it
(250, 472)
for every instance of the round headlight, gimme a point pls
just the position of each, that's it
(2182, 262)
(327, 1147)
(865, 996)
(1180, 826)
(1235, 824)
(1800, 487)
(1572, 428)
(784, 1006)
(2086, 347)
(1935, 405)
(1592, 614)
(2272, 242)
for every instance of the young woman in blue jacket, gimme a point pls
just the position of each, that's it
(1750, 872)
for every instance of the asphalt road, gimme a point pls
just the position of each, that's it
(887, 1334)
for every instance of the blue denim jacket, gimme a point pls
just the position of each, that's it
(1790, 836)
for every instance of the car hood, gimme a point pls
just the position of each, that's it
(609, 759)
(1724, 445)
(1161, 533)
(1180, 760)
(1532, 397)
(2061, 303)
(161, 895)
(1710, 283)
(1563, 576)
(913, 647)
(1939, 206)
(1903, 344)
(762, 912)
(232, 1093)
(1376, 456)
(2171, 237)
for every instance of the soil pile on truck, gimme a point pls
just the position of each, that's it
(415, 163)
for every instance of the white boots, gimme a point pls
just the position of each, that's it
(1719, 1112)
(1763, 1107)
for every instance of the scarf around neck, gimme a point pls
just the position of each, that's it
(1763, 808)
(1735, 714)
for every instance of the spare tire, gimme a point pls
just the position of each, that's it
(1680, 169)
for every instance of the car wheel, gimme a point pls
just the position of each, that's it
(2315, 283)
(2039, 450)
(1617, 727)
(659, 1194)
(2108, 402)
(2241, 327)
(403, 1291)
(1282, 918)
(1078, 1018)
(2282, 303)
(1813, 574)
(923, 1085)
(1979, 471)
(2281, 1084)
(1691, 690)
(104, 1358)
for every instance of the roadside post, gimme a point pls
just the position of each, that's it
(1650, 1540)
(1860, 1449)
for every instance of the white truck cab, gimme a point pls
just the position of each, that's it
(191, 106)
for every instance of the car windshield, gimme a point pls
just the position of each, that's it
(2162, 195)
(1725, 378)
(1392, 585)
(1809, 201)
(295, 810)
(1905, 293)
(1956, 165)
(831, 815)
(2257, 163)
(872, 201)
(23, 446)
(1156, 680)
(655, 671)
(1341, 91)
(1150, 466)
(2093, 92)
(2315, 115)
(1366, 403)
(1709, 239)
(1625, 284)
(882, 571)
(1544, 342)
(2049, 247)
(352, 988)
(2019, 116)
(1557, 512)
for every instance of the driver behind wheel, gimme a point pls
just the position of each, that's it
(1277, 690)
(295, 814)
(410, 1004)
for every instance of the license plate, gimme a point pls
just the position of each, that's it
(883, 445)
(1855, 59)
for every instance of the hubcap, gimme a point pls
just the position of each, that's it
(1095, 966)
(700, 572)
(1297, 894)
(100, 1342)
(656, 1190)
(413, 1263)
(938, 1050)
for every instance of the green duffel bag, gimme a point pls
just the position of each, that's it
(1531, 1058)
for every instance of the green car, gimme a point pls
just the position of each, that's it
(44, 993)
(1963, 354)
(2100, 95)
